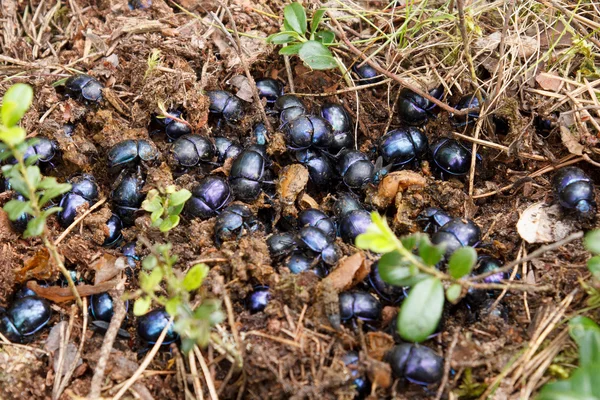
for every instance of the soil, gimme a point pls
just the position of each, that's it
(290, 351)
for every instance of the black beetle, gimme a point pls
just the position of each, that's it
(456, 234)
(415, 109)
(359, 305)
(390, 293)
(451, 157)
(544, 125)
(269, 89)
(355, 169)
(209, 196)
(231, 221)
(43, 148)
(345, 203)
(130, 152)
(173, 128)
(318, 219)
(259, 298)
(127, 196)
(248, 172)
(260, 133)
(486, 264)
(84, 190)
(190, 150)
(20, 224)
(319, 167)
(299, 262)
(226, 149)
(316, 241)
(139, 4)
(101, 307)
(400, 147)
(150, 326)
(361, 384)
(225, 105)
(574, 190)
(467, 101)
(114, 226)
(25, 316)
(289, 108)
(280, 244)
(84, 87)
(341, 123)
(129, 251)
(416, 363)
(434, 219)
(366, 74)
(308, 131)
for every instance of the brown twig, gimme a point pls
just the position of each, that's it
(78, 220)
(209, 381)
(447, 364)
(69, 374)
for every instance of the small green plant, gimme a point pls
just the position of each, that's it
(193, 319)
(311, 46)
(165, 206)
(25, 177)
(421, 311)
(154, 60)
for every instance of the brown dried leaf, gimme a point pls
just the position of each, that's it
(61, 294)
(37, 267)
(349, 272)
(570, 141)
(107, 267)
(379, 343)
(392, 184)
(292, 182)
(548, 81)
(244, 89)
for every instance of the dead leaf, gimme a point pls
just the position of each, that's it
(379, 343)
(393, 183)
(570, 141)
(107, 267)
(37, 267)
(548, 81)
(292, 182)
(59, 294)
(244, 89)
(349, 272)
(541, 223)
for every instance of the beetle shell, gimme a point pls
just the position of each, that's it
(150, 326)
(226, 149)
(456, 234)
(84, 87)
(574, 189)
(356, 169)
(353, 224)
(362, 384)
(319, 167)
(226, 105)
(84, 191)
(130, 152)
(209, 196)
(299, 262)
(434, 219)
(415, 109)
(280, 244)
(231, 221)
(366, 74)
(247, 173)
(172, 128)
(308, 131)
(451, 157)
(345, 203)
(390, 293)
(318, 219)
(467, 101)
(289, 108)
(402, 146)
(315, 240)
(114, 237)
(101, 307)
(127, 197)
(418, 364)
(20, 224)
(360, 305)
(259, 298)
(269, 89)
(337, 116)
(44, 148)
(190, 150)
(26, 316)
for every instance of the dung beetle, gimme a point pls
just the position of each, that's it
(129, 251)
(84, 88)
(314, 240)
(456, 234)
(361, 384)
(361, 305)
(190, 150)
(20, 224)
(366, 74)
(356, 169)
(400, 147)
(139, 4)
(390, 293)
(114, 226)
(345, 203)
(259, 298)
(231, 222)
(281, 244)
(544, 125)
(127, 196)
(467, 101)
(260, 133)
(209, 196)
(101, 307)
(248, 173)
(485, 264)
(415, 109)
(308, 131)
(172, 128)
(225, 105)
(574, 190)
(289, 108)
(341, 123)
(434, 219)
(269, 89)
(226, 149)
(84, 190)
(299, 262)
(319, 167)
(451, 157)
(416, 363)
(318, 219)
(42, 148)
(24, 317)
(150, 326)
(130, 152)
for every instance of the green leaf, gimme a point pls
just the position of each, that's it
(594, 266)
(18, 184)
(410, 242)
(149, 282)
(587, 335)
(34, 175)
(378, 237)
(325, 37)
(53, 191)
(316, 20)
(150, 262)
(13, 135)
(172, 304)
(582, 385)
(16, 208)
(155, 217)
(142, 305)
(421, 311)
(453, 293)
(179, 198)
(187, 345)
(290, 49)
(431, 254)
(15, 103)
(152, 204)
(49, 211)
(395, 270)
(35, 227)
(282, 37)
(295, 17)
(592, 241)
(462, 262)
(195, 276)
(169, 223)
(317, 56)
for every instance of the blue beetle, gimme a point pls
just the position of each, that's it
(24, 317)
(150, 326)
(130, 152)
(416, 363)
(248, 173)
(574, 190)
(404, 146)
(209, 196)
